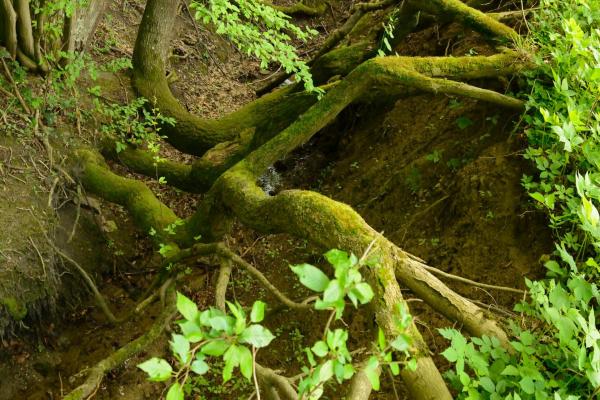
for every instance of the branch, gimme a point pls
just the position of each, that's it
(226, 252)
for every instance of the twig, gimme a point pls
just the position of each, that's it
(254, 350)
(77, 215)
(99, 298)
(15, 87)
(470, 282)
(39, 255)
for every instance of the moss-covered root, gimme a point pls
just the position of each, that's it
(97, 373)
(359, 27)
(468, 16)
(301, 8)
(192, 134)
(147, 211)
(333, 225)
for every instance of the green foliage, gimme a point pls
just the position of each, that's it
(54, 12)
(563, 124)
(134, 124)
(555, 353)
(258, 30)
(212, 334)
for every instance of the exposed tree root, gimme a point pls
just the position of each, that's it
(147, 211)
(407, 20)
(275, 383)
(268, 115)
(9, 20)
(469, 16)
(243, 144)
(300, 8)
(97, 373)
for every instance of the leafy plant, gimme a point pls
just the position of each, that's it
(236, 336)
(555, 351)
(258, 30)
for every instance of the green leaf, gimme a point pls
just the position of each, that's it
(158, 370)
(258, 311)
(487, 384)
(450, 354)
(363, 292)
(339, 258)
(510, 370)
(215, 348)
(199, 366)
(181, 347)
(381, 339)
(232, 360)
(257, 335)
(246, 362)
(527, 385)
(175, 392)
(223, 323)
(333, 292)
(371, 370)
(311, 277)
(401, 342)
(192, 331)
(320, 349)
(412, 364)
(463, 122)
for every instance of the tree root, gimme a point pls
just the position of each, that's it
(360, 386)
(222, 283)
(227, 253)
(97, 295)
(471, 282)
(407, 19)
(300, 8)
(277, 383)
(96, 373)
(267, 115)
(469, 16)
(147, 211)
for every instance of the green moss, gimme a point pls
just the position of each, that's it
(15, 309)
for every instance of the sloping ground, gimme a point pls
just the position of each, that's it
(28, 277)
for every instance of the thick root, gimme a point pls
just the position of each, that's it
(147, 211)
(194, 135)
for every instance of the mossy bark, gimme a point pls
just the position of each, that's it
(146, 210)
(267, 115)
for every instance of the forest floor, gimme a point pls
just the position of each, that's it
(439, 176)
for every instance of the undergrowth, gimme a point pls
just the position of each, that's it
(555, 352)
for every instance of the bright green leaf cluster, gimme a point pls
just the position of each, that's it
(258, 30)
